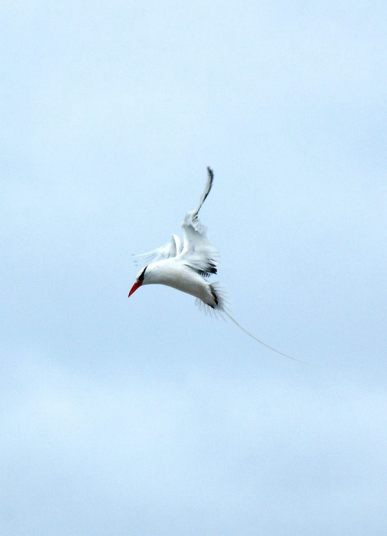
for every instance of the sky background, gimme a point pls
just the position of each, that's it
(145, 417)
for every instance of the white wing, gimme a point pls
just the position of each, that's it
(170, 249)
(198, 253)
(207, 190)
(195, 251)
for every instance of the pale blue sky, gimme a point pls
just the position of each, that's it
(144, 417)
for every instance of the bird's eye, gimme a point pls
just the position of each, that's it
(142, 275)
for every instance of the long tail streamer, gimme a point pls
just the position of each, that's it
(258, 340)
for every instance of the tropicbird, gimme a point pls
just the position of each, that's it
(186, 264)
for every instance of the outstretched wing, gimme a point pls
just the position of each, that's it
(198, 253)
(170, 249)
(195, 251)
(207, 190)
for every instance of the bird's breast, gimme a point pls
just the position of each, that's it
(183, 279)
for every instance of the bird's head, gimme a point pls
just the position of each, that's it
(141, 279)
(146, 276)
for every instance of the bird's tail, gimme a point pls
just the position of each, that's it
(218, 307)
(225, 312)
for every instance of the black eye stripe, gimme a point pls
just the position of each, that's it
(142, 275)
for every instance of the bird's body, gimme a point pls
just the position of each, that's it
(176, 274)
(186, 264)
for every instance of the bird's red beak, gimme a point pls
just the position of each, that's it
(136, 285)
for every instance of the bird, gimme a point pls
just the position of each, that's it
(187, 264)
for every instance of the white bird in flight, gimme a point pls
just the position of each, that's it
(187, 264)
